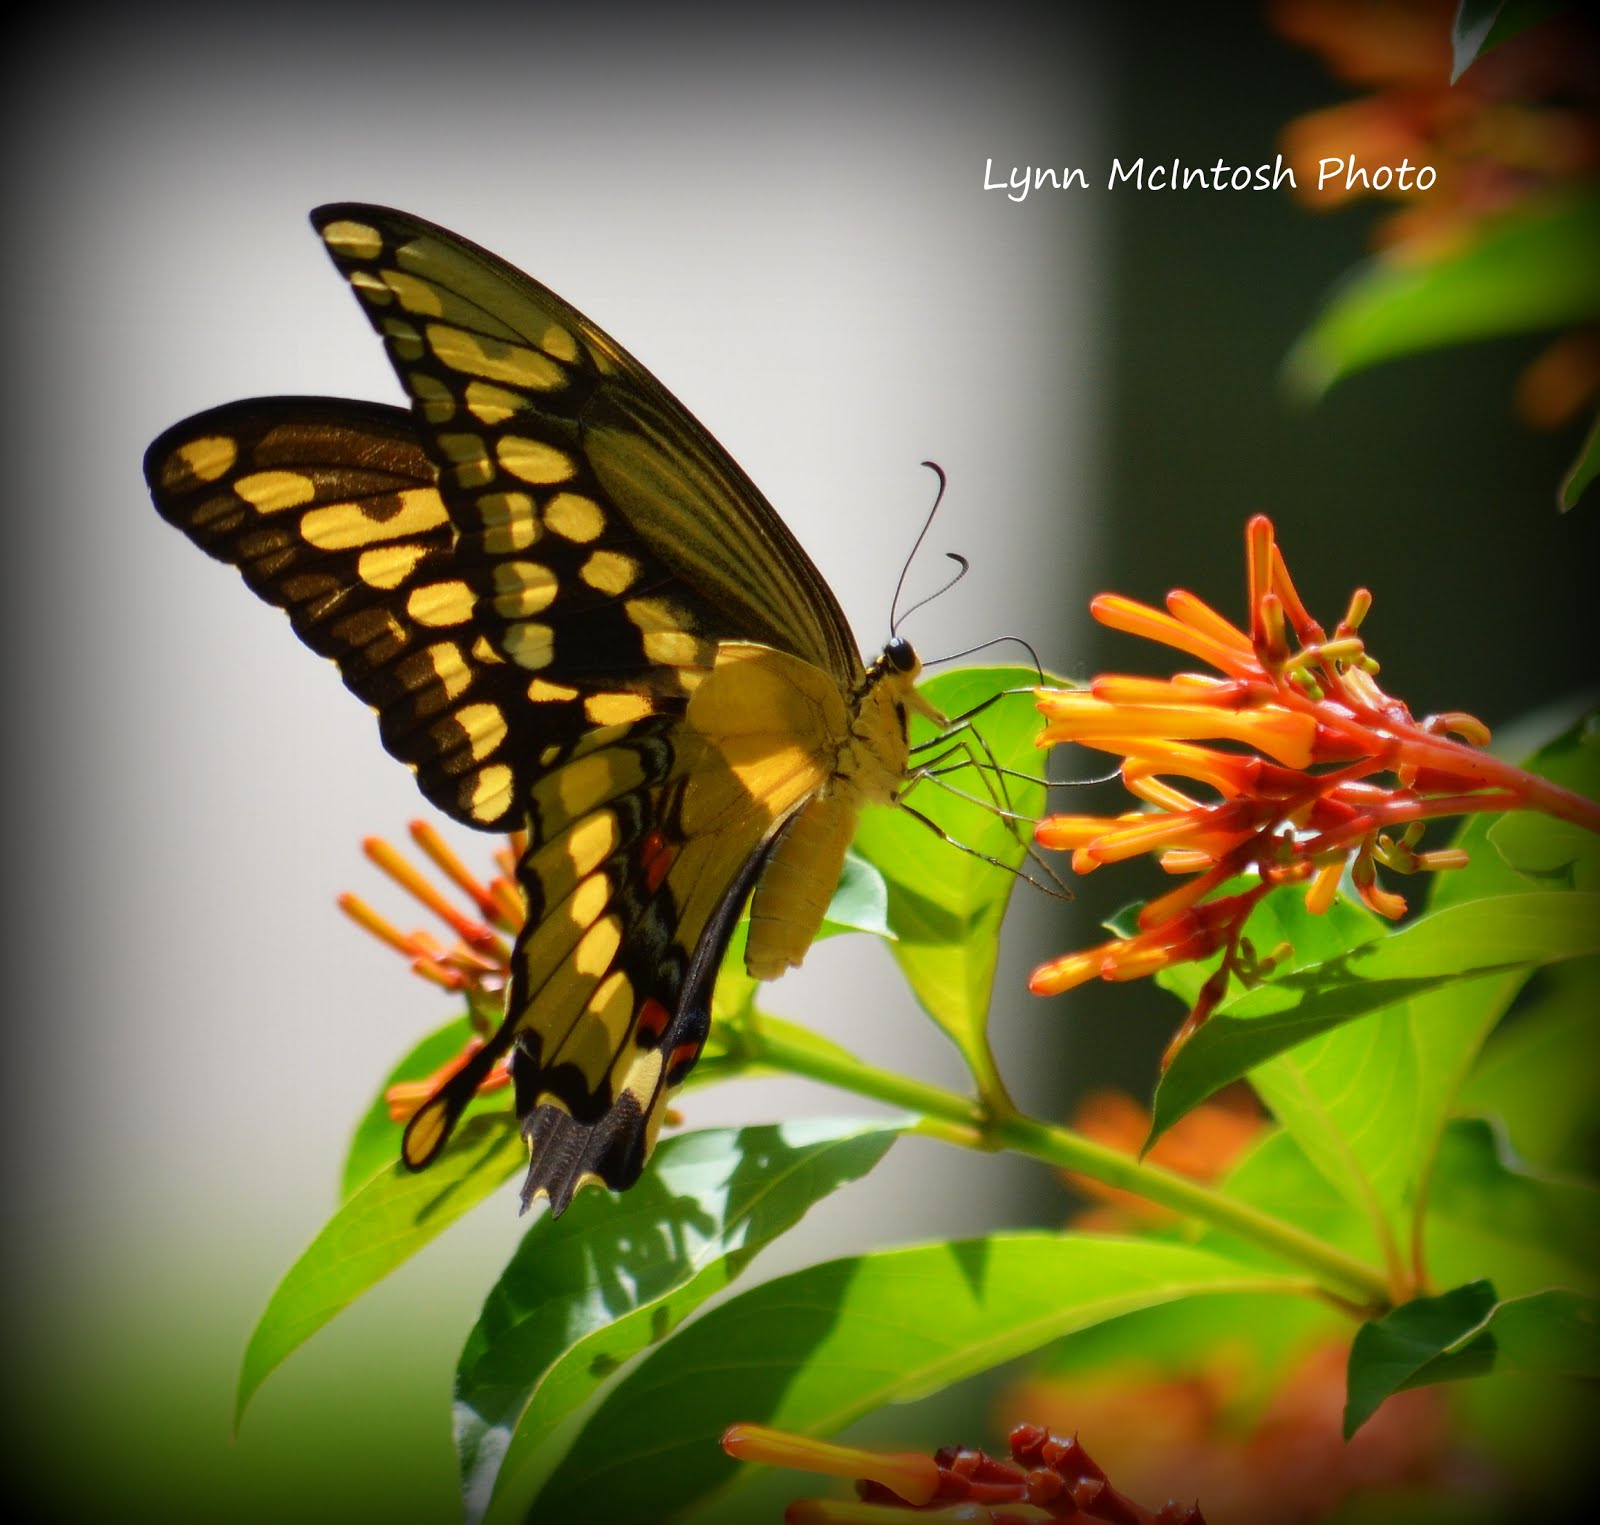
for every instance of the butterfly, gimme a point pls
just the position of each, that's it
(575, 615)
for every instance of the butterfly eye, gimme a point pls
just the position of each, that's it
(899, 655)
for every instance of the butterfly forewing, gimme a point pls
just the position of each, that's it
(330, 512)
(582, 490)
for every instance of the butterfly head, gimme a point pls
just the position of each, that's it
(891, 687)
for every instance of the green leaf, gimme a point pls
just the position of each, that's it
(860, 903)
(1535, 269)
(1276, 1176)
(1468, 1332)
(1482, 25)
(379, 1228)
(1583, 470)
(1489, 937)
(1430, 1339)
(1540, 847)
(945, 904)
(1490, 1214)
(812, 1351)
(1536, 1074)
(615, 1274)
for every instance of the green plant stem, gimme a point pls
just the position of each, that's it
(1348, 1278)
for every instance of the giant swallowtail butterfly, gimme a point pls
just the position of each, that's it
(574, 614)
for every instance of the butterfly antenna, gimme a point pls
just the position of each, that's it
(965, 566)
(922, 534)
(999, 640)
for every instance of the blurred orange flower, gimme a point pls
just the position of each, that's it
(1522, 123)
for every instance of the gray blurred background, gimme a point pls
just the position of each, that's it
(784, 218)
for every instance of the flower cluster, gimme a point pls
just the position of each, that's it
(1046, 1478)
(477, 964)
(1319, 774)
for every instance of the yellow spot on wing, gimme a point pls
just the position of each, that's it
(676, 648)
(586, 782)
(440, 603)
(388, 566)
(589, 899)
(530, 644)
(354, 240)
(558, 342)
(543, 691)
(574, 517)
(510, 523)
(203, 459)
(653, 614)
(405, 338)
(590, 842)
(344, 526)
(438, 402)
(531, 460)
(450, 668)
(469, 457)
(415, 296)
(643, 1076)
(370, 288)
(600, 1032)
(616, 709)
(425, 1133)
(484, 726)
(491, 404)
(493, 360)
(597, 947)
(522, 588)
(271, 492)
(609, 572)
(491, 793)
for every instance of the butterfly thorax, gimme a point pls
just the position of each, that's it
(815, 758)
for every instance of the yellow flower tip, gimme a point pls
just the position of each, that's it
(1323, 888)
(1463, 727)
(426, 836)
(439, 974)
(369, 920)
(1384, 902)
(1199, 616)
(1064, 973)
(914, 1477)
(1272, 639)
(1442, 859)
(1360, 604)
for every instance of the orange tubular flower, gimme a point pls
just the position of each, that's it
(477, 964)
(1325, 773)
(1046, 1478)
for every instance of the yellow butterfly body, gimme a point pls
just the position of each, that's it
(573, 613)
